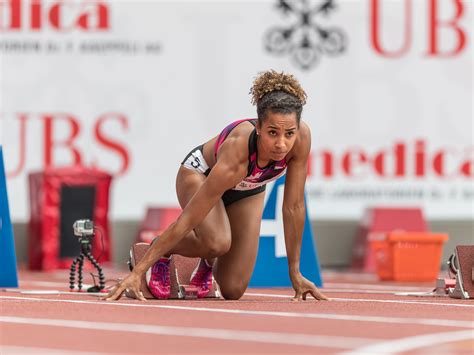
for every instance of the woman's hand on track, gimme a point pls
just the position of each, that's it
(303, 287)
(131, 285)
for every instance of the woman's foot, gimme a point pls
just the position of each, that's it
(158, 279)
(202, 278)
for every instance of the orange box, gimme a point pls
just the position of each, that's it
(409, 256)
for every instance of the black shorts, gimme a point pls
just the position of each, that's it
(195, 161)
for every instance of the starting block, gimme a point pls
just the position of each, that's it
(462, 263)
(181, 269)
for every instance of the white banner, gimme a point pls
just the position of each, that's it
(131, 86)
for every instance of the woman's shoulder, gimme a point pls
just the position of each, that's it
(303, 142)
(304, 136)
(240, 133)
(305, 131)
(237, 140)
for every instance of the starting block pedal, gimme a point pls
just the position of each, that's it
(181, 269)
(463, 265)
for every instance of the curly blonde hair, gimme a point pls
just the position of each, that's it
(277, 92)
(272, 80)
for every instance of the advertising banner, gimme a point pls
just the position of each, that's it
(131, 87)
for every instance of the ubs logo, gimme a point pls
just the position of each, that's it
(305, 40)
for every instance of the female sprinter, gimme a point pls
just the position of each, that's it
(221, 186)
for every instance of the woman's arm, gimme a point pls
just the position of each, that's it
(294, 213)
(228, 171)
(224, 175)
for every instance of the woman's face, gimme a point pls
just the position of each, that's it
(277, 135)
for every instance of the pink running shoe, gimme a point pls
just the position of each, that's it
(158, 279)
(202, 278)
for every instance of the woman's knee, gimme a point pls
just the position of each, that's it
(217, 246)
(232, 291)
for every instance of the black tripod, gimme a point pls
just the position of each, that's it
(85, 253)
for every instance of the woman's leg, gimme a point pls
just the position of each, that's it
(212, 237)
(234, 269)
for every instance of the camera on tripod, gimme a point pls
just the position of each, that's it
(85, 230)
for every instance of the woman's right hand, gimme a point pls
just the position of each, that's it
(131, 284)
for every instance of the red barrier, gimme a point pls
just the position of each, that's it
(58, 197)
(375, 224)
(157, 219)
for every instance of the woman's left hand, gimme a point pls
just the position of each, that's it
(303, 286)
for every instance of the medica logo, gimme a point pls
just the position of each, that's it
(57, 15)
(412, 159)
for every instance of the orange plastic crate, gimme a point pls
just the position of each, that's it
(402, 256)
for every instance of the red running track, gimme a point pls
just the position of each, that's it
(363, 316)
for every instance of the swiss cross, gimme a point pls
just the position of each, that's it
(274, 227)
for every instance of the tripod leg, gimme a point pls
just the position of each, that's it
(99, 270)
(72, 274)
(79, 272)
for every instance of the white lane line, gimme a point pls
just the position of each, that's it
(421, 302)
(374, 287)
(53, 292)
(382, 292)
(413, 343)
(50, 284)
(327, 286)
(341, 317)
(46, 351)
(57, 292)
(345, 290)
(209, 333)
(429, 303)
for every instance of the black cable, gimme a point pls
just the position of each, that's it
(101, 241)
(97, 287)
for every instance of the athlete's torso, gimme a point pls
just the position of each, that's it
(256, 176)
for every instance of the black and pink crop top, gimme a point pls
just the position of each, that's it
(256, 176)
